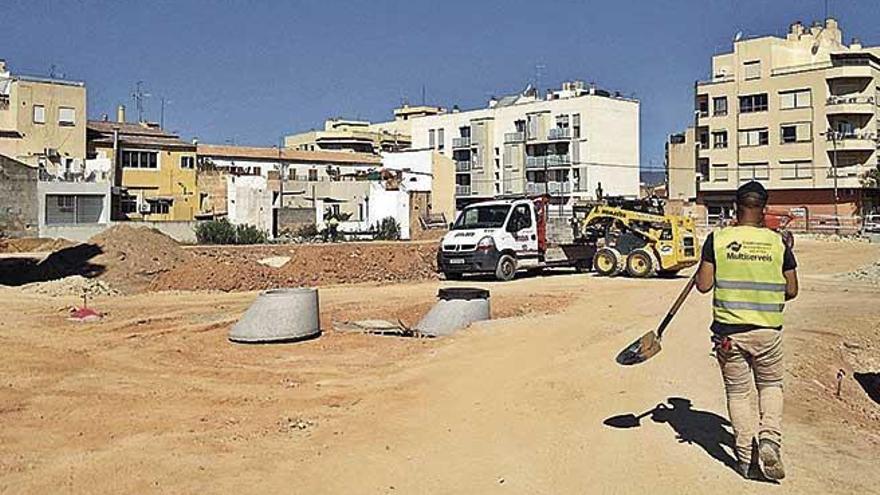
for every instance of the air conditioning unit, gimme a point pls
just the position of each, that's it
(51, 153)
(144, 208)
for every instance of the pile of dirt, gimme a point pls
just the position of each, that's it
(75, 285)
(238, 269)
(132, 257)
(869, 273)
(33, 245)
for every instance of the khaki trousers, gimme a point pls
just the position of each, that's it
(753, 360)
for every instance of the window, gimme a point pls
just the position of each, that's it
(719, 139)
(754, 137)
(187, 162)
(753, 171)
(801, 98)
(753, 103)
(521, 218)
(73, 208)
(160, 206)
(66, 116)
(39, 114)
(140, 159)
(703, 105)
(440, 139)
(752, 70)
(431, 141)
(576, 125)
(796, 169)
(719, 106)
(795, 133)
(313, 175)
(128, 204)
(719, 172)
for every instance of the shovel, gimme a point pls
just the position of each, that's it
(649, 344)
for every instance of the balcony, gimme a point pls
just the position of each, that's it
(850, 105)
(461, 142)
(514, 137)
(547, 161)
(558, 133)
(462, 190)
(462, 166)
(548, 188)
(856, 71)
(854, 141)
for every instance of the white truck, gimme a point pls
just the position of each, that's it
(506, 236)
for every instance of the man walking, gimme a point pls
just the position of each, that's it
(753, 272)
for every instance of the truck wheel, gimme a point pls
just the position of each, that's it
(608, 262)
(641, 264)
(452, 275)
(506, 268)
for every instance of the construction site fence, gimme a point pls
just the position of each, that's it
(817, 224)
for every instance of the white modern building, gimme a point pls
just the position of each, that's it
(574, 143)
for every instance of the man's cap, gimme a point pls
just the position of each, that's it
(751, 188)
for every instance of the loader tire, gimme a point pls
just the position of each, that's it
(505, 270)
(608, 262)
(641, 263)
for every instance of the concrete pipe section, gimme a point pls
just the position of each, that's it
(457, 308)
(279, 315)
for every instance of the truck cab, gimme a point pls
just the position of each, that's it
(501, 238)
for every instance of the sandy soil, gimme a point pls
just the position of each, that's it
(154, 399)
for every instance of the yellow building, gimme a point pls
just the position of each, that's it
(42, 121)
(154, 171)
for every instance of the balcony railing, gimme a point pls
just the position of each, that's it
(462, 190)
(851, 136)
(559, 133)
(548, 187)
(463, 166)
(539, 162)
(461, 142)
(514, 137)
(850, 100)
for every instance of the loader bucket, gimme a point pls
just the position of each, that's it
(640, 351)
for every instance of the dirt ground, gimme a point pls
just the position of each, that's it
(154, 399)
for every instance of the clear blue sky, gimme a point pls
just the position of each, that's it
(254, 71)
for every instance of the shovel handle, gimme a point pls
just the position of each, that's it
(678, 302)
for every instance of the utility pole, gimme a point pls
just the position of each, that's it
(280, 185)
(832, 134)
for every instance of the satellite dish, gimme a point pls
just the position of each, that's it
(739, 36)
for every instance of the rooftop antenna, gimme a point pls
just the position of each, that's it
(424, 96)
(538, 68)
(826, 10)
(139, 95)
(165, 101)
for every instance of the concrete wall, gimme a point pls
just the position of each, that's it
(249, 201)
(19, 212)
(183, 232)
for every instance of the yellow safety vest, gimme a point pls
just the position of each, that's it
(749, 285)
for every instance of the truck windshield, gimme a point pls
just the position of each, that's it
(482, 217)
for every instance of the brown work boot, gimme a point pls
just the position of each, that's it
(770, 459)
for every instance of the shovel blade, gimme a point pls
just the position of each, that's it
(640, 351)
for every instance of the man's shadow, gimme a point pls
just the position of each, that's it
(706, 429)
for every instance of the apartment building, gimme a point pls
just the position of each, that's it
(575, 142)
(361, 136)
(799, 114)
(42, 121)
(153, 171)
